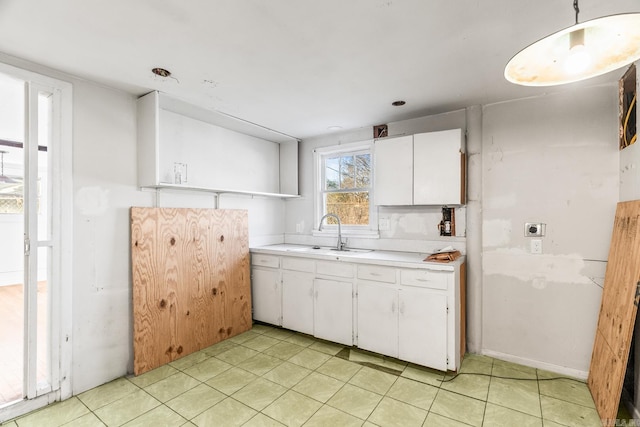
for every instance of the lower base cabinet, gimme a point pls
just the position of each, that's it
(333, 311)
(297, 301)
(412, 314)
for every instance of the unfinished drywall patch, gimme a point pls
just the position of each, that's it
(496, 232)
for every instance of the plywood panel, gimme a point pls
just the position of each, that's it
(191, 282)
(617, 312)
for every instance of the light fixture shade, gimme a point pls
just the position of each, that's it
(610, 42)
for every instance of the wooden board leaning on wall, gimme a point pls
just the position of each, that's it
(191, 281)
(618, 311)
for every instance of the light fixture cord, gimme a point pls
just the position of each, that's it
(576, 8)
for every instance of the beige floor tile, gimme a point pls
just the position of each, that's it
(435, 420)
(229, 412)
(287, 374)
(326, 347)
(160, 416)
(292, 409)
(236, 355)
(568, 414)
(339, 369)
(259, 364)
(413, 392)
(126, 409)
(511, 365)
(373, 380)
(259, 394)
(476, 366)
(261, 343)
(195, 401)
(260, 328)
(261, 420)
(9, 424)
(153, 376)
(208, 368)
(279, 334)
(218, 348)
(189, 360)
(284, 350)
(244, 337)
(498, 416)
(476, 386)
(506, 371)
(231, 380)
(424, 375)
(300, 339)
(479, 358)
(172, 386)
(328, 416)
(571, 391)
(355, 401)
(56, 414)
(318, 386)
(515, 394)
(458, 407)
(309, 359)
(107, 393)
(391, 412)
(88, 420)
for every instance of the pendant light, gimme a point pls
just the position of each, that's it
(3, 178)
(579, 52)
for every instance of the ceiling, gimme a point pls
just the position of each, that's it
(298, 66)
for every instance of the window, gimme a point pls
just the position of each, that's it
(344, 187)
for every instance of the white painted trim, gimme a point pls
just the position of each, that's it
(560, 370)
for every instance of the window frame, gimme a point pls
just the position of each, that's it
(319, 154)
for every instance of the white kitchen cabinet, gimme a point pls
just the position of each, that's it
(211, 151)
(393, 171)
(297, 301)
(378, 317)
(421, 169)
(266, 295)
(422, 327)
(333, 311)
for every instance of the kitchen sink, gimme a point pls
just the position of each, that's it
(325, 250)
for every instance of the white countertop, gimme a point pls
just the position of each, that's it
(361, 256)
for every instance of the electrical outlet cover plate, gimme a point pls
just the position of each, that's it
(534, 229)
(536, 246)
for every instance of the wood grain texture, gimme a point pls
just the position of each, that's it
(191, 281)
(618, 312)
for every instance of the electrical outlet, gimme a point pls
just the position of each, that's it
(536, 246)
(300, 227)
(534, 229)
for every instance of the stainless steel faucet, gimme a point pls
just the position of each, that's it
(341, 244)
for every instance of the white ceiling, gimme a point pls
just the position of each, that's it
(298, 66)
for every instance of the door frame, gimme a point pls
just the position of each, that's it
(62, 226)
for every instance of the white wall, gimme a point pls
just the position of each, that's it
(551, 159)
(411, 228)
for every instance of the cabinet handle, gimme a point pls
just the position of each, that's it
(393, 307)
(376, 274)
(401, 308)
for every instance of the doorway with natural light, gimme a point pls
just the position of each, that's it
(34, 255)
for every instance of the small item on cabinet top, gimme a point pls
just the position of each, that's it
(447, 254)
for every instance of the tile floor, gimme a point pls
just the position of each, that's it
(274, 377)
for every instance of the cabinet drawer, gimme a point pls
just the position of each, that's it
(378, 274)
(265, 260)
(337, 269)
(425, 278)
(298, 264)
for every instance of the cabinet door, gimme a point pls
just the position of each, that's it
(438, 168)
(423, 327)
(266, 295)
(378, 318)
(333, 311)
(297, 301)
(393, 171)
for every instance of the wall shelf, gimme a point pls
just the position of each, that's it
(182, 187)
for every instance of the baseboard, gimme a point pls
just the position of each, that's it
(562, 370)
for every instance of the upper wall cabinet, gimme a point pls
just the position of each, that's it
(181, 146)
(421, 169)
